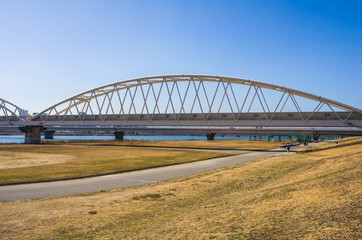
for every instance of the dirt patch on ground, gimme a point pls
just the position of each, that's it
(10, 159)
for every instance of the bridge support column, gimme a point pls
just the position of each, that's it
(49, 134)
(119, 135)
(32, 134)
(316, 137)
(210, 136)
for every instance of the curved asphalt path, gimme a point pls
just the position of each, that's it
(124, 180)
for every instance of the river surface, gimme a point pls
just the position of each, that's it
(21, 138)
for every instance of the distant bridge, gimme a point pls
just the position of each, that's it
(11, 114)
(194, 103)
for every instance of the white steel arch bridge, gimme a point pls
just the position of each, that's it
(199, 103)
(11, 114)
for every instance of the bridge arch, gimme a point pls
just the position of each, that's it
(204, 97)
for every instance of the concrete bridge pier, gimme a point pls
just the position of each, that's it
(49, 134)
(210, 136)
(32, 134)
(119, 135)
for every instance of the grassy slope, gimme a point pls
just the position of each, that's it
(310, 196)
(333, 144)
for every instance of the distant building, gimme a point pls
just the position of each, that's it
(23, 112)
(43, 114)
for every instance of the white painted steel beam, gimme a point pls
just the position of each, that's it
(182, 100)
(11, 114)
(135, 83)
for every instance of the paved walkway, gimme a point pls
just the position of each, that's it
(123, 180)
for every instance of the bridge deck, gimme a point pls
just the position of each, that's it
(307, 119)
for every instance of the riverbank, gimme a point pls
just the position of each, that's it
(302, 196)
(59, 160)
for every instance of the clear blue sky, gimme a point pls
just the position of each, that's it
(52, 50)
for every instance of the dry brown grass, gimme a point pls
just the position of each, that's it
(38, 163)
(240, 144)
(333, 144)
(314, 196)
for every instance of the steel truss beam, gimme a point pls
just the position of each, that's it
(98, 101)
(11, 113)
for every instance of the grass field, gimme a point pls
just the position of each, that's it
(240, 144)
(316, 195)
(37, 163)
(59, 161)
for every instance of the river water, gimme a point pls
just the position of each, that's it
(21, 138)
